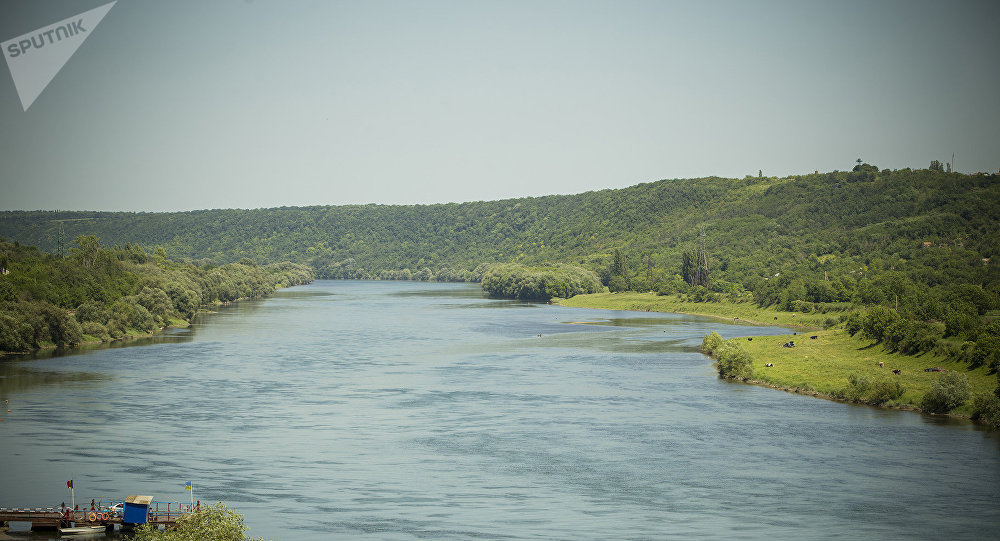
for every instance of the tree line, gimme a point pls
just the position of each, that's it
(98, 293)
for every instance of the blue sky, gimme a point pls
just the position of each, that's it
(233, 104)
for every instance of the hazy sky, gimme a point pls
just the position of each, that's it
(239, 104)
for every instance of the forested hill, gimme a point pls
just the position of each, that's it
(826, 225)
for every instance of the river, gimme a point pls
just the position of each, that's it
(402, 410)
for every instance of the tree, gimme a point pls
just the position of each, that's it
(878, 321)
(949, 391)
(89, 249)
(711, 342)
(618, 266)
(211, 523)
(936, 166)
(618, 281)
(734, 361)
(986, 408)
(687, 268)
(617, 284)
(874, 389)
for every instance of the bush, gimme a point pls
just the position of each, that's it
(986, 408)
(711, 343)
(949, 391)
(92, 311)
(878, 322)
(13, 335)
(212, 523)
(876, 390)
(96, 330)
(617, 284)
(542, 283)
(854, 323)
(734, 361)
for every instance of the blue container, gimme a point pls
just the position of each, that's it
(136, 509)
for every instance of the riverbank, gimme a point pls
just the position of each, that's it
(90, 340)
(746, 312)
(819, 366)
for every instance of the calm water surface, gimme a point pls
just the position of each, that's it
(396, 410)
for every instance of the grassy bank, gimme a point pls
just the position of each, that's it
(650, 302)
(821, 366)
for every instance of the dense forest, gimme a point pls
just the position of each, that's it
(101, 294)
(918, 245)
(828, 226)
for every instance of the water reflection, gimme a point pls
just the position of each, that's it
(17, 377)
(451, 292)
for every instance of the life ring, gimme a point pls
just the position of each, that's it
(92, 517)
(105, 516)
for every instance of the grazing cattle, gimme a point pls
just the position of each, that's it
(881, 364)
(769, 365)
(750, 339)
(813, 337)
(789, 344)
(896, 371)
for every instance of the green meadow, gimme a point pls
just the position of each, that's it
(823, 365)
(746, 311)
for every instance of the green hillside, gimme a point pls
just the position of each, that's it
(754, 228)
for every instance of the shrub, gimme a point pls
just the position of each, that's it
(986, 408)
(96, 330)
(542, 283)
(734, 361)
(92, 311)
(617, 283)
(13, 337)
(949, 391)
(212, 523)
(875, 390)
(63, 330)
(854, 323)
(711, 343)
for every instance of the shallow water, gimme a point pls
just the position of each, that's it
(399, 410)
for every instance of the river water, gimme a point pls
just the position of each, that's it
(400, 410)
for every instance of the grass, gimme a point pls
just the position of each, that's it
(824, 364)
(818, 366)
(651, 302)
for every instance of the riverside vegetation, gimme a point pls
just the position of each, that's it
(98, 294)
(904, 259)
(212, 523)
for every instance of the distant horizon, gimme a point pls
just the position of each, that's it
(399, 103)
